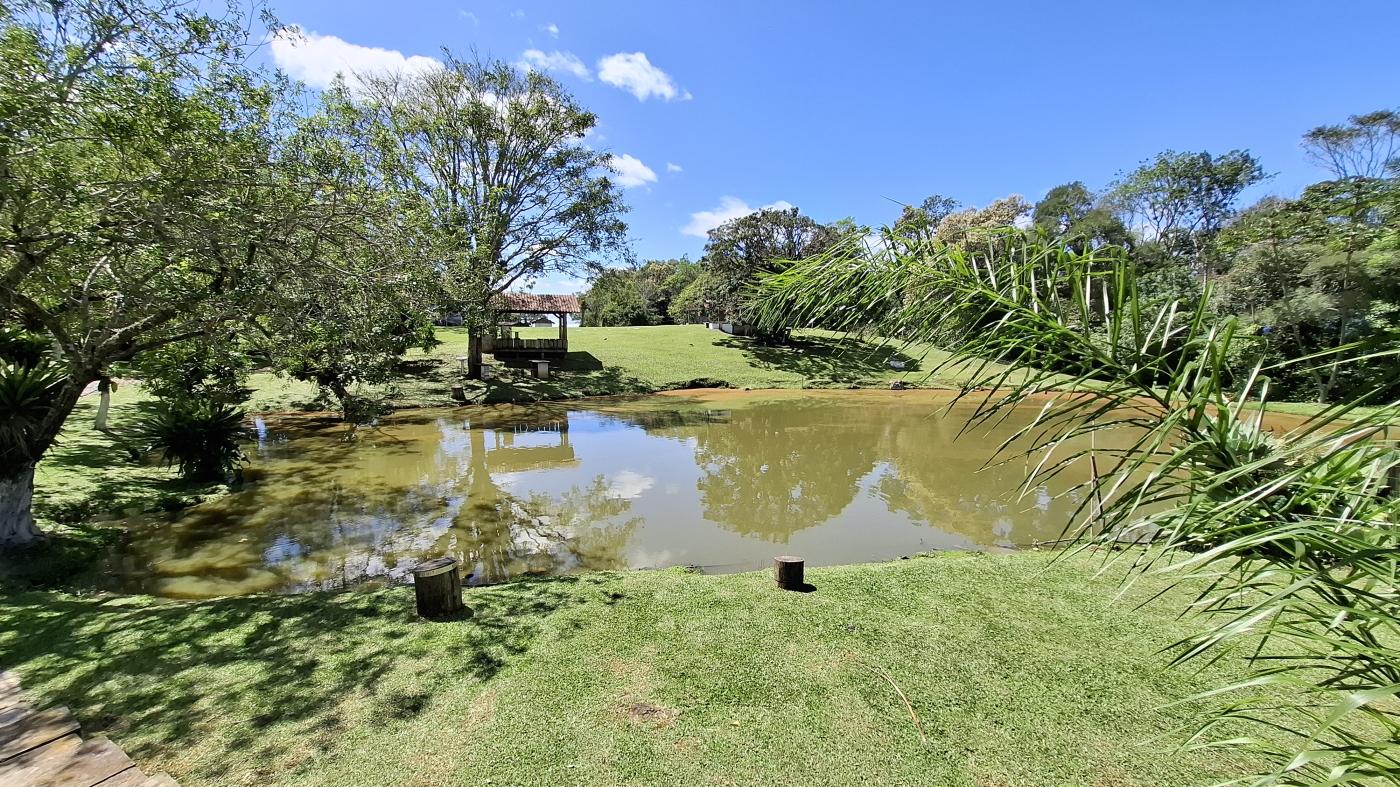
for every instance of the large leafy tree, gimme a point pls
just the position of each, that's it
(349, 320)
(740, 251)
(1072, 212)
(144, 196)
(917, 221)
(1181, 201)
(640, 295)
(1318, 272)
(488, 166)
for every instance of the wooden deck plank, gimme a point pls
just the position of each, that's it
(58, 750)
(35, 729)
(14, 713)
(131, 777)
(90, 762)
(42, 748)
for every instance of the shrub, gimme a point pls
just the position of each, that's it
(200, 437)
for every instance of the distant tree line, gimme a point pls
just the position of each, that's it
(1303, 275)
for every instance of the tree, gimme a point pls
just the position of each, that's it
(972, 225)
(703, 300)
(919, 220)
(1181, 201)
(638, 295)
(615, 299)
(488, 166)
(1367, 146)
(349, 320)
(742, 250)
(1070, 211)
(145, 198)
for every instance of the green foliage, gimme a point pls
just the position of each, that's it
(1071, 212)
(22, 347)
(739, 252)
(1291, 535)
(1183, 200)
(486, 167)
(704, 299)
(213, 368)
(615, 299)
(26, 394)
(923, 219)
(637, 296)
(202, 438)
(147, 199)
(1320, 272)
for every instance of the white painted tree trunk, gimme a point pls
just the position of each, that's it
(17, 527)
(104, 392)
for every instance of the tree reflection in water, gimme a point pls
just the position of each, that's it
(550, 488)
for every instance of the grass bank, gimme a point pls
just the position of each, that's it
(1021, 672)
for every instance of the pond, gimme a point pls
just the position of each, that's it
(722, 481)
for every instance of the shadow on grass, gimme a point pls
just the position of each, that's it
(566, 383)
(163, 674)
(822, 359)
(67, 550)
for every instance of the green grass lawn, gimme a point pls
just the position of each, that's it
(1021, 672)
(604, 361)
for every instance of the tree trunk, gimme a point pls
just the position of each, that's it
(17, 528)
(474, 354)
(104, 392)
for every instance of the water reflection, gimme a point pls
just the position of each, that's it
(713, 481)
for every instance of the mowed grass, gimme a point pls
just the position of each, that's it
(1021, 671)
(607, 361)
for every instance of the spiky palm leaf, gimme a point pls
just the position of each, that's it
(1293, 535)
(26, 393)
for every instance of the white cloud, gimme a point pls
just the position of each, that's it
(552, 29)
(566, 62)
(631, 171)
(673, 167)
(316, 59)
(468, 15)
(518, 13)
(729, 209)
(633, 72)
(629, 485)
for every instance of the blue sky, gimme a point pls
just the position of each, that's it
(844, 109)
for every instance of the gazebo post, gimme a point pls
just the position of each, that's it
(564, 328)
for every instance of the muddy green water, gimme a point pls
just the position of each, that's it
(721, 481)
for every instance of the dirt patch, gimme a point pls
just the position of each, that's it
(482, 710)
(643, 712)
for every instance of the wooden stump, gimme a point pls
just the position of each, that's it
(437, 587)
(787, 569)
(459, 392)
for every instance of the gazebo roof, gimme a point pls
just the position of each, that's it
(532, 303)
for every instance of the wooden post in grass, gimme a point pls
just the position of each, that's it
(787, 569)
(437, 587)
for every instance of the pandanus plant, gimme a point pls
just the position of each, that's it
(1288, 542)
